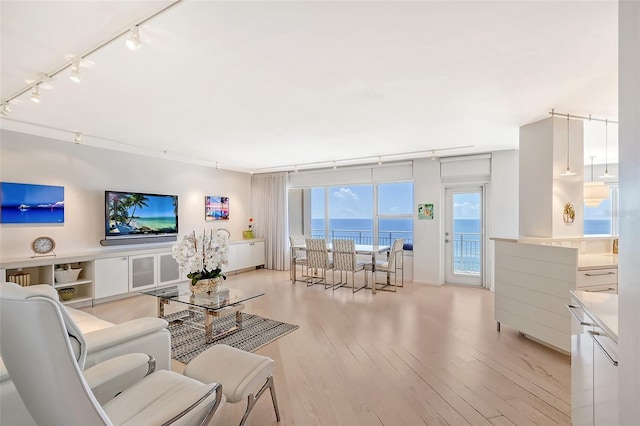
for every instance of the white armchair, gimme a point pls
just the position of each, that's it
(104, 341)
(45, 353)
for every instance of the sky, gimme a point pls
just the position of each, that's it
(356, 201)
(14, 194)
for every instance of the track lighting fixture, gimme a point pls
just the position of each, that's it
(568, 171)
(606, 151)
(335, 166)
(78, 138)
(379, 161)
(434, 157)
(133, 42)
(6, 109)
(75, 71)
(35, 94)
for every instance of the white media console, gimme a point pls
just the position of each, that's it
(117, 272)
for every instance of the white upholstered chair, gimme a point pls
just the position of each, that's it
(393, 265)
(318, 262)
(346, 260)
(44, 352)
(298, 256)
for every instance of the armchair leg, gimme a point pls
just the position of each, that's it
(251, 400)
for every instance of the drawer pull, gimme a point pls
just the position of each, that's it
(593, 336)
(571, 308)
(598, 291)
(599, 274)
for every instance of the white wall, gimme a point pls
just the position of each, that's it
(86, 172)
(629, 268)
(543, 192)
(502, 204)
(428, 246)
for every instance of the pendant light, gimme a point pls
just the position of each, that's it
(606, 151)
(595, 192)
(568, 172)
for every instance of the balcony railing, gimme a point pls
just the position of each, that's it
(385, 238)
(466, 252)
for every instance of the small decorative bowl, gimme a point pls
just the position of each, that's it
(66, 293)
(67, 275)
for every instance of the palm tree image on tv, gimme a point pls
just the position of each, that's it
(134, 213)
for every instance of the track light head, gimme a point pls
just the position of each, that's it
(6, 109)
(133, 42)
(75, 71)
(35, 94)
(379, 161)
(78, 138)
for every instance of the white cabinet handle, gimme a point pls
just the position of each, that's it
(597, 291)
(593, 335)
(571, 308)
(599, 274)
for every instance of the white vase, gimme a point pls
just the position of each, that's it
(205, 287)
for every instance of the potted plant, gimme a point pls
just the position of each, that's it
(202, 258)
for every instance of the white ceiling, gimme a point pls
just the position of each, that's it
(260, 85)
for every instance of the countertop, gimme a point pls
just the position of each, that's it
(602, 308)
(597, 261)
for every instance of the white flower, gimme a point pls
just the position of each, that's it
(195, 253)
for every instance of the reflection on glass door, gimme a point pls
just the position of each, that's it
(464, 235)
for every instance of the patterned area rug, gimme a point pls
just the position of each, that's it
(187, 340)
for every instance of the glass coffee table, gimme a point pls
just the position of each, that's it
(226, 301)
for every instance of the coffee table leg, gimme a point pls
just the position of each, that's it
(208, 326)
(238, 320)
(161, 303)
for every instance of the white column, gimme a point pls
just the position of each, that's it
(629, 260)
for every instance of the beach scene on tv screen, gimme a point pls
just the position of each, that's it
(131, 214)
(28, 203)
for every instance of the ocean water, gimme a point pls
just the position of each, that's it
(13, 214)
(464, 229)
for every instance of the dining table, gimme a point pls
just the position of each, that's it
(364, 249)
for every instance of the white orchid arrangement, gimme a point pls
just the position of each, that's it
(202, 256)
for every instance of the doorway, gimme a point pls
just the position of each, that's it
(464, 235)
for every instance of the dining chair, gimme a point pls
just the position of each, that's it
(298, 257)
(318, 262)
(346, 260)
(394, 262)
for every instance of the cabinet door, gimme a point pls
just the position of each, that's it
(111, 276)
(167, 269)
(232, 265)
(605, 379)
(142, 272)
(257, 253)
(581, 367)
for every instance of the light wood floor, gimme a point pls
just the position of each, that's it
(425, 355)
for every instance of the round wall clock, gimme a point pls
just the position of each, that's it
(43, 245)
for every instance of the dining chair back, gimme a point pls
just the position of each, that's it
(345, 260)
(392, 265)
(318, 261)
(298, 256)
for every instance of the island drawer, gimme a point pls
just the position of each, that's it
(597, 277)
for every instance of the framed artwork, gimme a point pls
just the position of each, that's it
(216, 208)
(425, 211)
(27, 203)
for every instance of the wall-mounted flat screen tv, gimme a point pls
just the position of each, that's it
(28, 203)
(135, 214)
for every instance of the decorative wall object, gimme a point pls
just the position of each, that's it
(425, 211)
(569, 213)
(28, 203)
(216, 208)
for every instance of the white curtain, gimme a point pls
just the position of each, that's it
(270, 215)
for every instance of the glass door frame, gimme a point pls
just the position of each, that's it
(452, 277)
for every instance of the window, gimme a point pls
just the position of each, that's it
(317, 213)
(603, 219)
(351, 213)
(395, 212)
